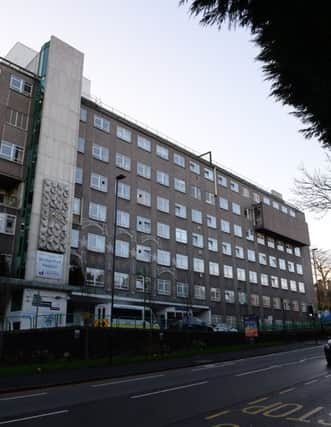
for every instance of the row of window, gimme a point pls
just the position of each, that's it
(161, 151)
(95, 277)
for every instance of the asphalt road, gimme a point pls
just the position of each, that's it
(283, 389)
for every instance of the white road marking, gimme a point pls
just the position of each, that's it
(327, 376)
(23, 396)
(279, 353)
(256, 371)
(212, 366)
(166, 390)
(32, 417)
(262, 399)
(311, 382)
(127, 381)
(288, 390)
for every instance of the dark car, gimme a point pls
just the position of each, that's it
(191, 323)
(327, 351)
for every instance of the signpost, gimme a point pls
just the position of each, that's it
(251, 325)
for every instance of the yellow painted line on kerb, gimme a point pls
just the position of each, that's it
(218, 414)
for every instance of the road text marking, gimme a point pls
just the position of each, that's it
(218, 414)
(287, 390)
(262, 399)
(127, 381)
(138, 396)
(23, 396)
(32, 417)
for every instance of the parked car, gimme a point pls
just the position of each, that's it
(327, 351)
(223, 327)
(191, 323)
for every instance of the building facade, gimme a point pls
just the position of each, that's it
(191, 237)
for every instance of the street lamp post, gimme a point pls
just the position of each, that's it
(118, 178)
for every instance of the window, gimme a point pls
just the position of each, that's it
(234, 186)
(95, 277)
(20, 85)
(198, 265)
(179, 160)
(224, 203)
(162, 178)
(270, 242)
(181, 235)
(241, 274)
(99, 182)
(289, 249)
(303, 307)
(18, 119)
(299, 269)
(286, 304)
(264, 279)
(301, 287)
(144, 224)
(280, 246)
(212, 244)
(143, 170)
(295, 305)
(292, 213)
(297, 251)
(144, 144)
(276, 301)
(211, 221)
(214, 268)
(225, 226)
(76, 206)
(197, 240)
(98, 212)
(143, 197)
(262, 259)
(122, 249)
(162, 204)
(275, 205)
(11, 152)
(162, 152)
(208, 174)
(228, 271)
(250, 235)
(163, 257)
(96, 243)
(196, 216)
(121, 280)
(123, 162)
(215, 294)
(83, 114)
(101, 123)
(266, 200)
(179, 185)
(290, 265)
(260, 239)
(236, 208)
(194, 167)
(142, 283)
(195, 192)
(81, 145)
(251, 255)
(79, 175)
(209, 198)
(255, 300)
(144, 253)
(229, 296)
(237, 229)
(242, 297)
(74, 237)
(266, 301)
(226, 248)
(199, 292)
(282, 263)
(283, 283)
(239, 252)
(245, 192)
(123, 219)
(222, 181)
(274, 281)
(182, 289)
(180, 210)
(123, 190)
(123, 134)
(163, 230)
(252, 276)
(163, 287)
(256, 198)
(182, 261)
(100, 153)
(293, 286)
(273, 261)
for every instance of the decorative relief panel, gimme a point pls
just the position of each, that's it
(54, 216)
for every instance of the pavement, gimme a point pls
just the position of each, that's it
(75, 376)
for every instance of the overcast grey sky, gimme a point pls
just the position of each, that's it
(202, 87)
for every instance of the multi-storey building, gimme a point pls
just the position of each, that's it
(191, 237)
